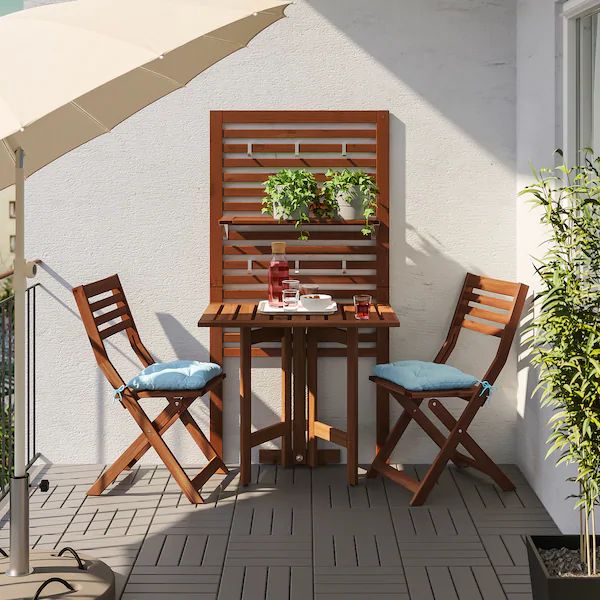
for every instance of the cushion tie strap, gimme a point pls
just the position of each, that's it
(486, 386)
(118, 393)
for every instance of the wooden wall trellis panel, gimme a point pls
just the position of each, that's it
(247, 146)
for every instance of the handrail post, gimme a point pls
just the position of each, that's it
(19, 487)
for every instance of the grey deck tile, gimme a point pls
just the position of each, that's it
(441, 584)
(294, 534)
(465, 583)
(488, 583)
(418, 583)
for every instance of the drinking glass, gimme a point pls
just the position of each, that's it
(290, 299)
(362, 304)
(291, 284)
(306, 289)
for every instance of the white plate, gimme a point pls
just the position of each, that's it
(265, 308)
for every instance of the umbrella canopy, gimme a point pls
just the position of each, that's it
(72, 71)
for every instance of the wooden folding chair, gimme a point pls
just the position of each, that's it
(108, 294)
(487, 306)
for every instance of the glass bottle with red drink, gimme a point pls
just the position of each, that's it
(279, 271)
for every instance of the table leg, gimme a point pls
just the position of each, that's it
(216, 395)
(311, 376)
(299, 367)
(382, 418)
(245, 404)
(352, 405)
(286, 397)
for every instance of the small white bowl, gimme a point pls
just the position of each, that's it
(315, 302)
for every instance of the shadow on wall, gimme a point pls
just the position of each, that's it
(447, 51)
(549, 480)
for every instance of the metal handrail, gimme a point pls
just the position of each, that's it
(7, 385)
(11, 272)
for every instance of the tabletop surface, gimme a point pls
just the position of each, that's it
(247, 315)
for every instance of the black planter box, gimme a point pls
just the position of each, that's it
(545, 587)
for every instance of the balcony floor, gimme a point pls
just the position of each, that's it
(293, 535)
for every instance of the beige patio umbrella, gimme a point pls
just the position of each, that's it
(70, 72)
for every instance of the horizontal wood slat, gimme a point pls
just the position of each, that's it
(332, 279)
(290, 148)
(299, 116)
(261, 177)
(337, 234)
(111, 315)
(482, 328)
(108, 301)
(101, 287)
(299, 162)
(292, 249)
(254, 294)
(351, 265)
(488, 315)
(124, 324)
(234, 352)
(489, 301)
(298, 133)
(495, 286)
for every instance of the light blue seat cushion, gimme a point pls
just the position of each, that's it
(420, 376)
(175, 375)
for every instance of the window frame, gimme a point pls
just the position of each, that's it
(571, 12)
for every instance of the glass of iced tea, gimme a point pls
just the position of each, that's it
(362, 304)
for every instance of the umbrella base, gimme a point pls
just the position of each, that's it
(97, 581)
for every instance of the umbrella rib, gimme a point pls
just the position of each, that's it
(91, 116)
(163, 76)
(9, 151)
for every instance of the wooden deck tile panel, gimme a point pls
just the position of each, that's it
(295, 534)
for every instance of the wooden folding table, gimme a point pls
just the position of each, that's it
(299, 336)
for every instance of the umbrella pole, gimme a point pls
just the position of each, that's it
(19, 485)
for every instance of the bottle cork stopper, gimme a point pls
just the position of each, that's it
(278, 247)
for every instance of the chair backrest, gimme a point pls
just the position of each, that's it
(104, 311)
(490, 307)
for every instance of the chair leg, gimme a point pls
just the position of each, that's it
(134, 452)
(446, 453)
(162, 450)
(390, 443)
(245, 405)
(202, 441)
(483, 462)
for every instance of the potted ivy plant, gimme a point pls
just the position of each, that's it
(354, 193)
(290, 195)
(565, 344)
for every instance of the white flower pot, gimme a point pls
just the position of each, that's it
(351, 205)
(280, 215)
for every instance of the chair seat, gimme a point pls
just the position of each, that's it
(421, 376)
(398, 389)
(174, 376)
(180, 393)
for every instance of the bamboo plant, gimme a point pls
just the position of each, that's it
(565, 331)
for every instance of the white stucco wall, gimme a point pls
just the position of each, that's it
(539, 132)
(136, 202)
